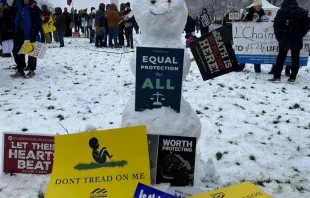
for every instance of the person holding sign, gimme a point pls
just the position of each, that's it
(290, 26)
(256, 14)
(27, 26)
(205, 21)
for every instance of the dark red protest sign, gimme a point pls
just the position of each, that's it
(28, 154)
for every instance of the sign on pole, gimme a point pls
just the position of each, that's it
(28, 154)
(159, 78)
(214, 54)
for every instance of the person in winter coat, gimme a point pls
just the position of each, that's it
(68, 21)
(129, 23)
(27, 27)
(60, 24)
(113, 21)
(205, 21)
(6, 28)
(122, 26)
(47, 37)
(91, 24)
(77, 21)
(190, 25)
(100, 25)
(290, 26)
(255, 14)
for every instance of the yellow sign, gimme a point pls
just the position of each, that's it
(244, 190)
(100, 164)
(49, 26)
(28, 48)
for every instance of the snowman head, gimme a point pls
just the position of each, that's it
(161, 17)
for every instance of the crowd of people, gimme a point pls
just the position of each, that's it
(109, 26)
(291, 24)
(24, 20)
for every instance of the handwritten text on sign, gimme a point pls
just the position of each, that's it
(31, 154)
(256, 43)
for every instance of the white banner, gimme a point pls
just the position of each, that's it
(36, 49)
(256, 43)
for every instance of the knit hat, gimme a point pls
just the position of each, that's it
(257, 3)
(3, 2)
(128, 4)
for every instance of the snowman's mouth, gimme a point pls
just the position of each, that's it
(157, 11)
(158, 14)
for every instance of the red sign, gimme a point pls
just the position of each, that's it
(28, 154)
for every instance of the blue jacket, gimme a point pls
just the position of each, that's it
(28, 20)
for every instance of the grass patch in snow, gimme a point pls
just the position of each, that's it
(252, 157)
(41, 194)
(51, 107)
(24, 129)
(295, 106)
(93, 165)
(60, 117)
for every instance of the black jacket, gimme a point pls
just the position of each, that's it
(285, 37)
(190, 25)
(100, 16)
(251, 13)
(6, 23)
(60, 21)
(68, 17)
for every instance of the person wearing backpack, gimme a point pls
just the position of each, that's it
(290, 26)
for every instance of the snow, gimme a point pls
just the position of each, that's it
(241, 114)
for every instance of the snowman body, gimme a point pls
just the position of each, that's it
(162, 23)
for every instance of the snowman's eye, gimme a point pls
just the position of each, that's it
(153, 1)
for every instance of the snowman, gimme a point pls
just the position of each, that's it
(162, 23)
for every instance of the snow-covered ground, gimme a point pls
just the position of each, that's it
(252, 129)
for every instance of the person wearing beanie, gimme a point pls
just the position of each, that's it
(290, 26)
(6, 28)
(27, 27)
(255, 14)
(68, 20)
(128, 5)
(100, 25)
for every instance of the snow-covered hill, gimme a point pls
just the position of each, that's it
(252, 129)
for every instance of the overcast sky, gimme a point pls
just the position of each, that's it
(82, 4)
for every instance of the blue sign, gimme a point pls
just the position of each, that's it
(144, 191)
(268, 59)
(159, 75)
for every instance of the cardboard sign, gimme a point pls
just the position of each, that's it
(234, 16)
(100, 164)
(49, 26)
(144, 191)
(183, 192)
(28, 154)
(172, 159)
(256, 43)
(159, 78)
(214, 54)
(36, 49)
(243, 190)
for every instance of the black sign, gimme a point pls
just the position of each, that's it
(214, 54)
(159, 78)
(172, 159)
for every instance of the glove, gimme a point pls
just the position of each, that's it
(33, 38)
